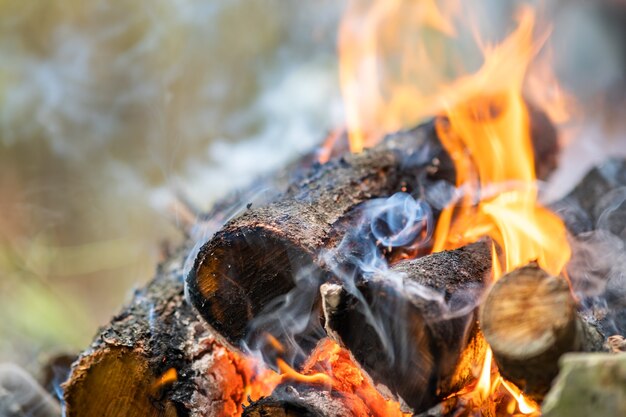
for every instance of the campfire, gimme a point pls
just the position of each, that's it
(398, 271)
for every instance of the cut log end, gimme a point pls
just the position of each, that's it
(527, 312)
(530, 320)
(117, 382)
(233, 275)
(257, 256)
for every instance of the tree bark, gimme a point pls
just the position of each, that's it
(157, 358)
(530, 320)
(255, 257)
(409, 327)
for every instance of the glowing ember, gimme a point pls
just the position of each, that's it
(346, 377)
(168, 377)
(331, 368)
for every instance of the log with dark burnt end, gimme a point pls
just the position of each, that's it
(159, 357)
(255, 258)
(409, 328)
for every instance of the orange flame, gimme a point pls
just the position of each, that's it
(328, 367)
(525, 405)
(383, 76)
(486, 129)
(168, 377)
(346, 377)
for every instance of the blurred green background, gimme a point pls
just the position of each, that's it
(106, 109)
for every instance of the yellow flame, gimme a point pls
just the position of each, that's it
(484, 380)
(488, 137)
(389, 81)
(525, 405)
(379, 63)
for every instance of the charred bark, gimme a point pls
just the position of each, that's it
(254, 258)
(530, 320)
(409, 328)
(128, 370)
(156, 358)
(595, 213)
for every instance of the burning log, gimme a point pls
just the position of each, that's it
(330, 384)
(410, 333)
(157, 358)
(602, 187)
(254, 258)
(530, 319)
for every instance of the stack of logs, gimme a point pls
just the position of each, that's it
(165, 355)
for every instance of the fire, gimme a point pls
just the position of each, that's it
(168, 377)
(330, 359)
(329, 367)
(485, 127)
(372, 36)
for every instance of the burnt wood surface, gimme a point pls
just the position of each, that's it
(123, 372)
(530, 319)
(126, 371)
(595, 213)
(255, 257)
(425, 316)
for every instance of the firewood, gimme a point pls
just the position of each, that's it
(255, 258)
(530, 320)
(583, 207)
(158, 357)
(415, 344)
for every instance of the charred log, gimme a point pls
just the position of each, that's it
(156, 358)
(409, 328)
(254, 258)
(583, 207)
(530, 319)
(595, 213)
